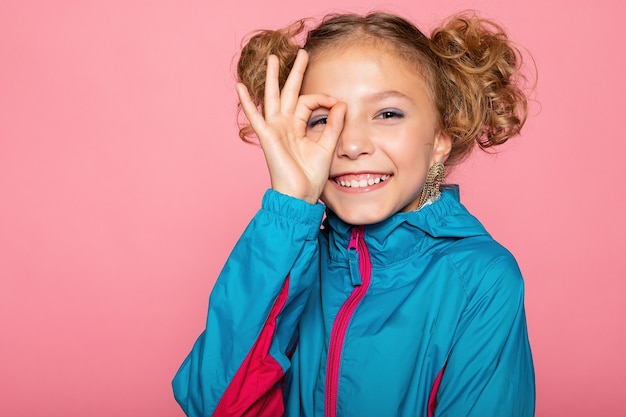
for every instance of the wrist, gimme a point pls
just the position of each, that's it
(308, 198)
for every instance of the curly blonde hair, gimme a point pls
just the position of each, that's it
(470, 66)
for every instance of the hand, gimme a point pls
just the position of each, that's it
(298, 166)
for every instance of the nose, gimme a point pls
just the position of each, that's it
(354, 140)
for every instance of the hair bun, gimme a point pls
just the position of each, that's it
(480, 75)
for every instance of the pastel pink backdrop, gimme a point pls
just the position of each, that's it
(123, 186)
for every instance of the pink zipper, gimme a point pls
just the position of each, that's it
(340, 326)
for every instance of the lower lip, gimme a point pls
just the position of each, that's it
(358, 190)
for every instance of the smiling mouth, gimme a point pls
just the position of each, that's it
(360, 181)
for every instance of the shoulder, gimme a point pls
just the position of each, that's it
(476, 260)
(481, 263)
(485, 268)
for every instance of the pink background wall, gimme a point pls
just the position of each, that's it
(123, 186)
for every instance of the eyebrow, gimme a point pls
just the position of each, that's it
(385, 94)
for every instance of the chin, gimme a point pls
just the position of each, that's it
(358, 217)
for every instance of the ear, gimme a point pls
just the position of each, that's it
(441, 147)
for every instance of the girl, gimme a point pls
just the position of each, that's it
(401, 304)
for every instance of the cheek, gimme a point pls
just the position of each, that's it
(325, 193)
(414, 152)
(313, 133)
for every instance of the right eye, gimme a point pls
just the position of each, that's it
(317, 120)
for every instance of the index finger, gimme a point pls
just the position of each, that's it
(291, 90)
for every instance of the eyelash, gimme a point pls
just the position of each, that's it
(385, 114)
(318, 120)
(389, 114)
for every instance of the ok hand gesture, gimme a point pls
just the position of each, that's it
(298, 166)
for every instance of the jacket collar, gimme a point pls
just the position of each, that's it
(403, 234)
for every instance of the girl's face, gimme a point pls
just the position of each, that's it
(390, 137)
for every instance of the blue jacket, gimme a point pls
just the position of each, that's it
(419, 315)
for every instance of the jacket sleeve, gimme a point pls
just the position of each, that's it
(489, 371)
(237, 364)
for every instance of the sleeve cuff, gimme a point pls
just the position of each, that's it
(295, 210)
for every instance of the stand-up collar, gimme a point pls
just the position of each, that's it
(402, 234)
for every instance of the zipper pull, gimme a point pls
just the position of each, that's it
(355, 235)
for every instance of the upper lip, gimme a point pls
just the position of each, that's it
(360, 174)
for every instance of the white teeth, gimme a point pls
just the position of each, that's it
(363, 182)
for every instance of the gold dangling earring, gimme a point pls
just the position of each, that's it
(431, 190)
